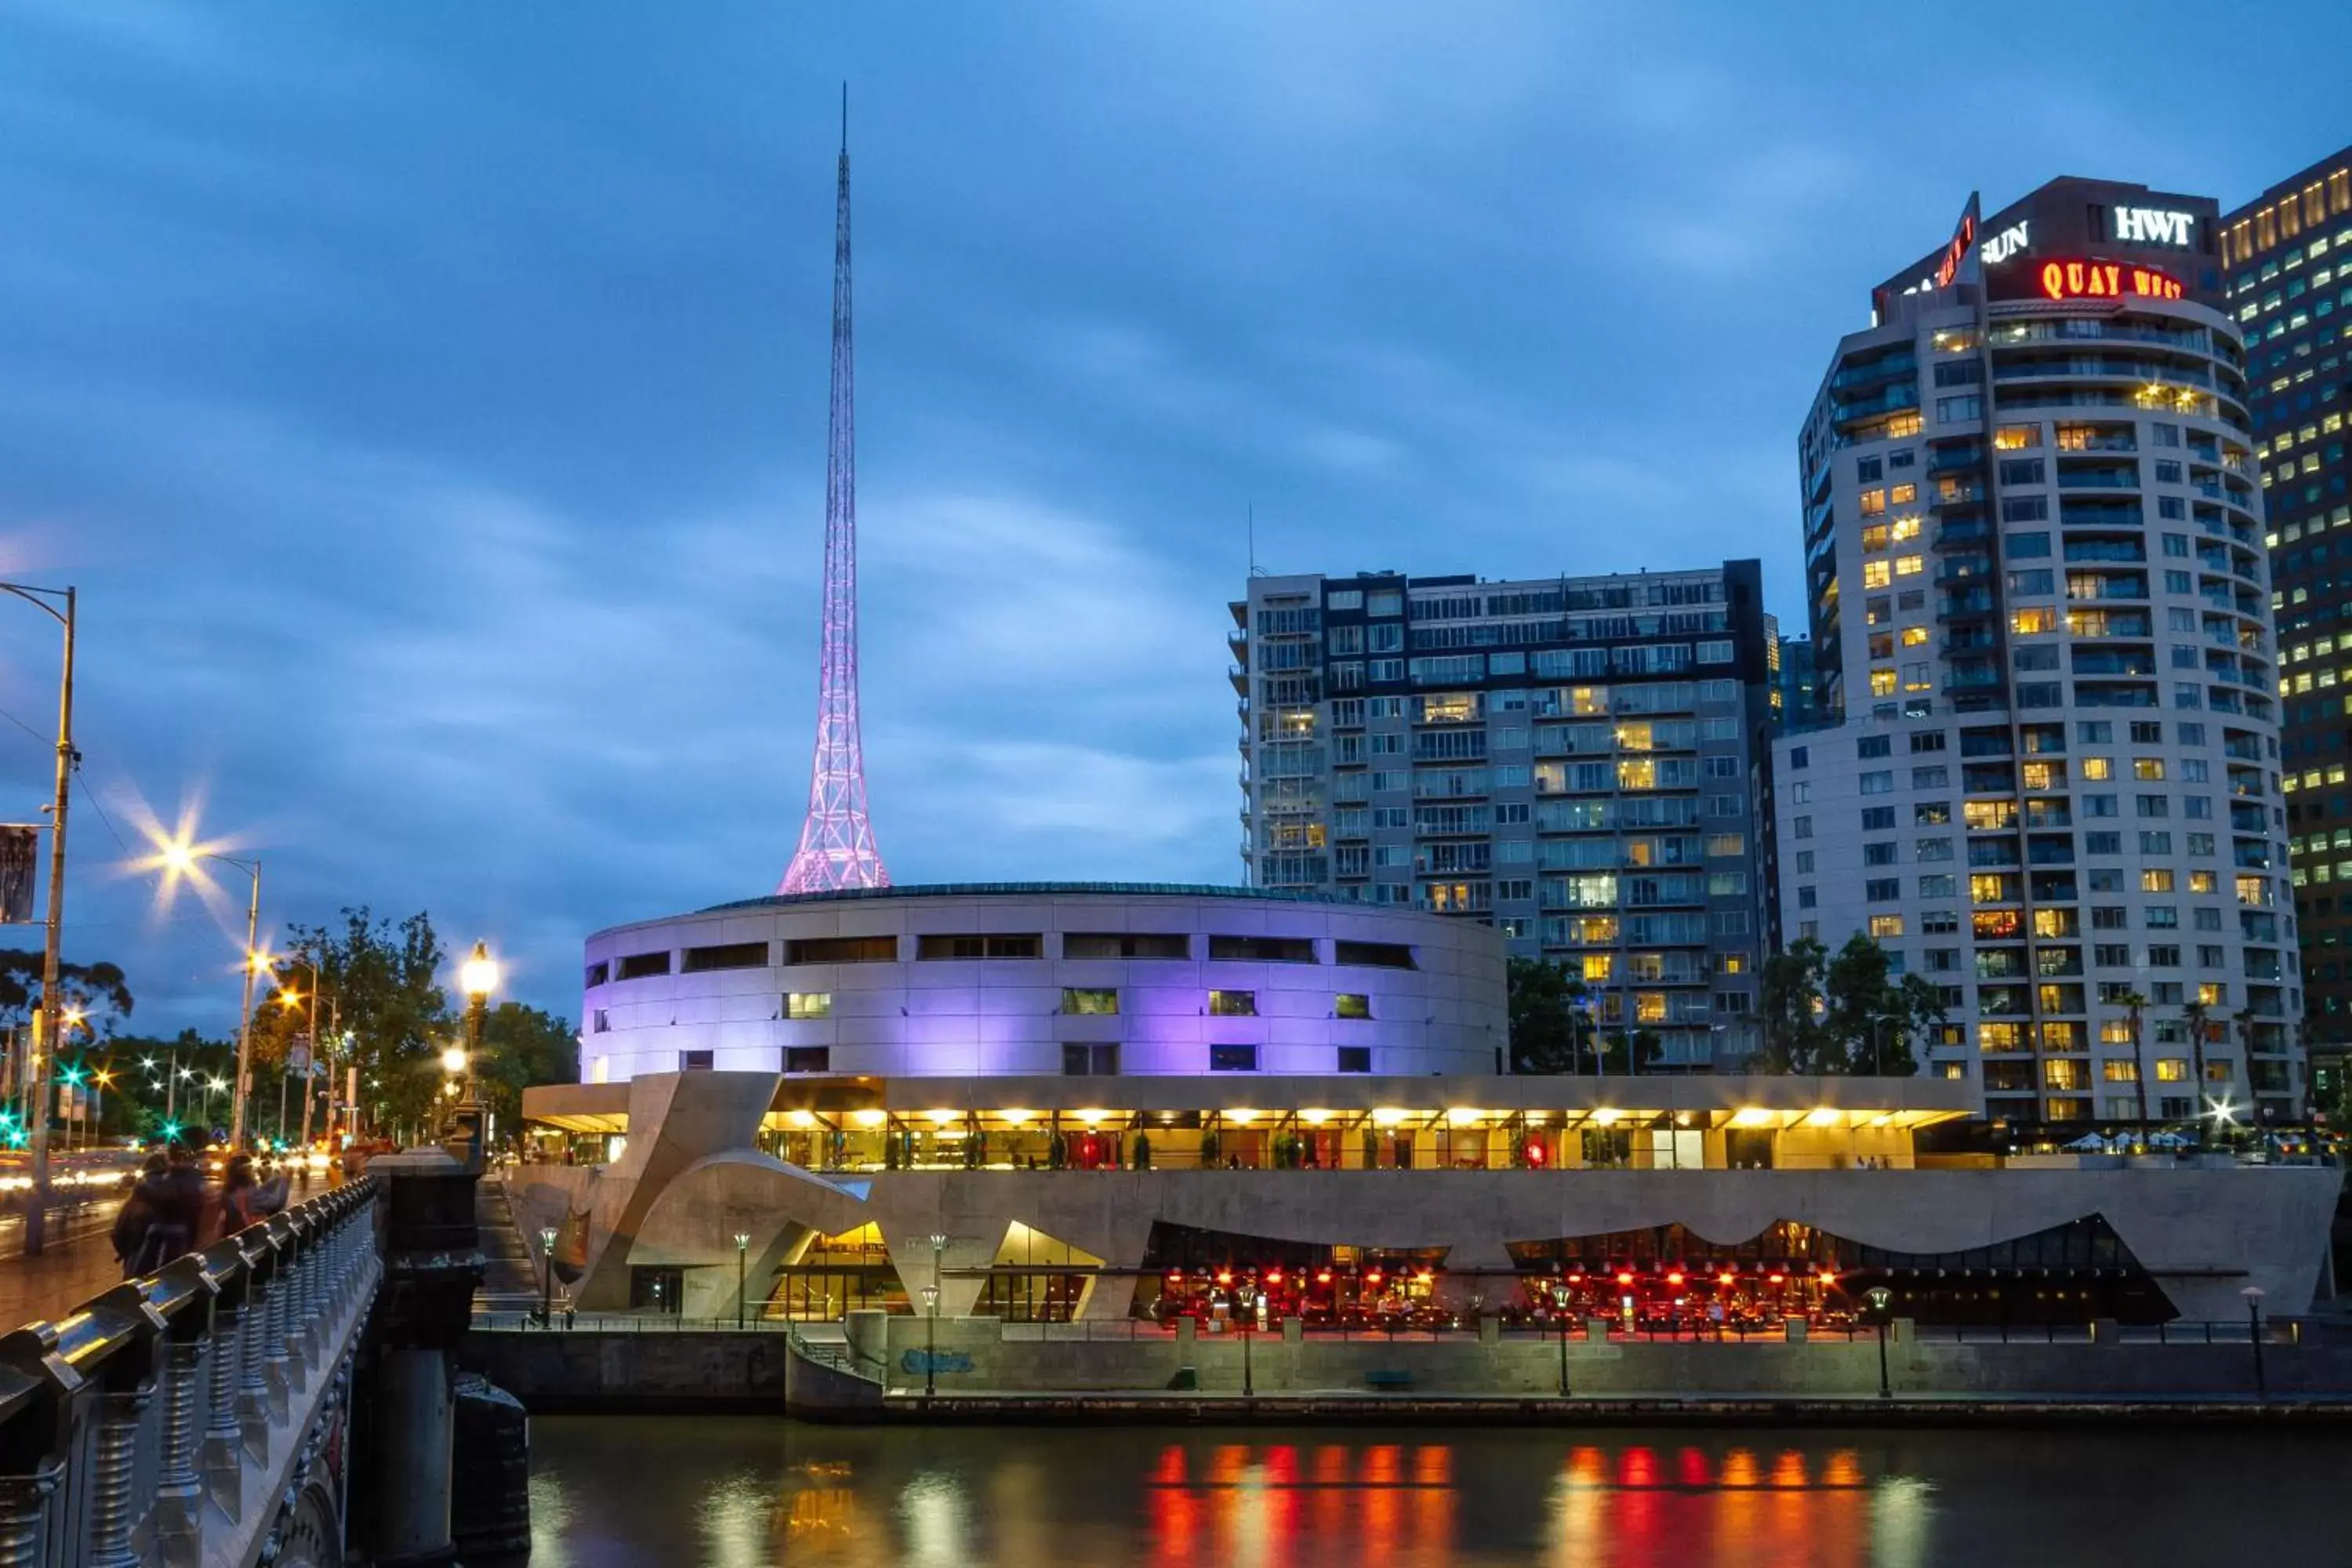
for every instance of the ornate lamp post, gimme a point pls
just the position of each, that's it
(477, 977)
(1880, 1297)
(547, 1265)
(930, 1342)
(742, 1257)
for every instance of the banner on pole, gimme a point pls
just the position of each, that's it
(298, 1055)
(20, 852)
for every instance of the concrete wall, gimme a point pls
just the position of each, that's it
(591, 1370)
(1465, 1364)
(2205, 1233)
(556, 1371)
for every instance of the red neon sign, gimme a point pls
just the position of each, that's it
(1956, 249)
(2106, 280)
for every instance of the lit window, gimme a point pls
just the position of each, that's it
(1910, 565)
(2172, 1069)
(1907, 528)
(2151, 768)
(1352, 1004)
(1233, 1003)
(1884, 926)
(1077, 999)
(1875, 537)
(1913, 636)
(2033, 621)
(1875, 575)
(1882, 683)
(2096, 768)
(808, 1005)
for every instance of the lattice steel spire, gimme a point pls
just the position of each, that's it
(837, 840)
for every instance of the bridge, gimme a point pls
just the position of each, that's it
(284, 1396)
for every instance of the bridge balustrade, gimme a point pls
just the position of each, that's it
(199, 1415)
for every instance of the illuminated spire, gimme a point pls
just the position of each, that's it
(836, 848)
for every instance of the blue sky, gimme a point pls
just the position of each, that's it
(429, 399)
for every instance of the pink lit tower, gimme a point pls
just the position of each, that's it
(837, 840)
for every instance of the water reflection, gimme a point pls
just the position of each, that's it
(734, 1493)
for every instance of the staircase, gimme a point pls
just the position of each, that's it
(510, 1273)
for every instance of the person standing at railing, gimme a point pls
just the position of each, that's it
(245, 1201)
(173, 1204)
(134, 1222)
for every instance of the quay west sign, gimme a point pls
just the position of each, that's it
(2106, 280)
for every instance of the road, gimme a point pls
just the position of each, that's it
(76, 1264)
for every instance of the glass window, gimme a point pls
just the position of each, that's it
(1233, 1003)
(808, 1005)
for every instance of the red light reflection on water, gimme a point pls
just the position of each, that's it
(1400, 1504)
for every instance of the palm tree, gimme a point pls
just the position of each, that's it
(2196, 1015)
(2133, 1002)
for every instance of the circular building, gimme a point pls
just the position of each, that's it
(971, 979)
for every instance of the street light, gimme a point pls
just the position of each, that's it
(547, 1262)
(45, 1022)
(1880, 1299)
(1560, 1308)
(930, 1342)
(2253, 1298)
(477, 977)
(1879, 1041)
(309, 1056)
(183, 857)
(742, 1252)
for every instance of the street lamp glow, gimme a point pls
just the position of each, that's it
(479, 975)
(453, 1060)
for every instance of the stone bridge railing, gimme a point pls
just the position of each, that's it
(198, 1416)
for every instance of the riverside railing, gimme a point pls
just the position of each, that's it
(168, 1420)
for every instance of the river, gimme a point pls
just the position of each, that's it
(735, 1492)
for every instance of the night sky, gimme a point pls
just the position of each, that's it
(429, 398)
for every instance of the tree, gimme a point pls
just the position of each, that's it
(2198, 1018)
(384, 977)
(1793, 1003)
(522, 1046)
(97, 991)
(2134, 1004)
(1844, 1013)
(1642, 1048)
(1549, 1027)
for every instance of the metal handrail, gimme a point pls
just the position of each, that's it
(139, 1416)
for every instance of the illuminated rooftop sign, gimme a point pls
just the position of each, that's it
(2106, 280)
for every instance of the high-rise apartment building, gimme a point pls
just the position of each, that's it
(1572, 759)
(2035, 574)
(2288, 260)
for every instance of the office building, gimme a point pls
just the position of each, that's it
(2288, 259)
(2039, 603)
(1794, 694)
(1572, 760)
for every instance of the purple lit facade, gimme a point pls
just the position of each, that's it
(1129, 979)
(837, 849)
